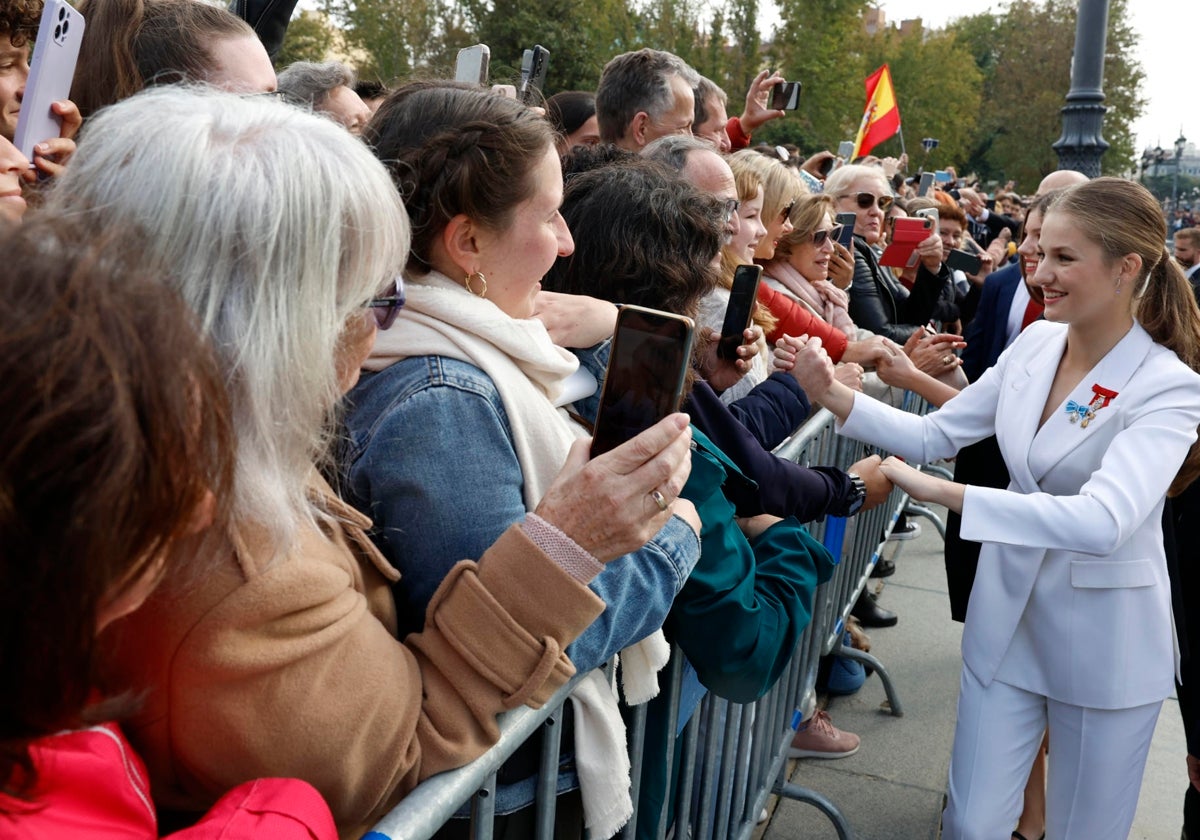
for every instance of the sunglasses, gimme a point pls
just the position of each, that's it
(865, 199)
(385, 309)
(787, 209)
(819, 236)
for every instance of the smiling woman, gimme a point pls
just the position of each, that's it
(1073, 548)
(466, 369)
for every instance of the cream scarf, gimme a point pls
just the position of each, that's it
(440, 318)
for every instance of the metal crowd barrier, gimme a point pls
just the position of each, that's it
(733, 756)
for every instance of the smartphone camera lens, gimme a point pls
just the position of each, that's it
(62, 13)
(65, 26)
(58, 32)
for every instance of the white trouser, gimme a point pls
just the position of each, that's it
(1096, 761)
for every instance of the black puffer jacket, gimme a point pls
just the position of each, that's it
(880, 304)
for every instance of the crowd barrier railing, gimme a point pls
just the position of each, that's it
(733, 756)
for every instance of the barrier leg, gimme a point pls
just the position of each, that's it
(893, 698)
(802, 794)
(921, 510)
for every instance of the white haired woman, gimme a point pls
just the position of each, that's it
(278, 655)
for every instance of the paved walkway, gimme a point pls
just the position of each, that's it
(893, 788)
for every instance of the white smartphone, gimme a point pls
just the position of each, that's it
(50, 73)
(472, 65)
(931, 213)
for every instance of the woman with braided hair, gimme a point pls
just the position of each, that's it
(469, 388)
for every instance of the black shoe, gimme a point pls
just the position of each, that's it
(884, 568)
(870, 614)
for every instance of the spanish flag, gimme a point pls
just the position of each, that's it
(882, 117)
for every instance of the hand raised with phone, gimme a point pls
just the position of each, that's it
(604, 504)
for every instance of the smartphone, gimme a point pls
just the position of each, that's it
(826, 166)
(651, 352)
(785, 96)
(941, 176)
(54, 54)
(931, 214)
(964, 262)
(846, 150)
(846, 220)
(742, 297)
(907, 234)
(472, 65)
(533, 74)
(926, 184)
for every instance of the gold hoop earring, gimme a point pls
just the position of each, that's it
(482, 281)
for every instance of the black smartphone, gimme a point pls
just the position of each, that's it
(964, 262)
(846, 220)
(533, 74)
(742, 297)
(926, 183)
(651, 352)
(785, 96)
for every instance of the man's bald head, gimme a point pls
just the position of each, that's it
(1060, 180)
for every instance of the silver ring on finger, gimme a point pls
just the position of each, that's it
(659, 499)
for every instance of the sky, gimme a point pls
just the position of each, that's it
(1168, 50)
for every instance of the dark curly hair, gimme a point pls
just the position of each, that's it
(452, 149)
(643, 235)
(19, 20)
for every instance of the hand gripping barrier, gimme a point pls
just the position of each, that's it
(733, 756)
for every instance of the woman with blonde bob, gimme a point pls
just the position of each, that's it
(277, 654)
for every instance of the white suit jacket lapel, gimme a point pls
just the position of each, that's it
(1017, 420)
(1061, 437)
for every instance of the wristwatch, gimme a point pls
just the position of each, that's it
(860, 494)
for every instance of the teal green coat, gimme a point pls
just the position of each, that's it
(740, 614)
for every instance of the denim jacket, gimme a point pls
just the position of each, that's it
(428, 437)
(431, 461)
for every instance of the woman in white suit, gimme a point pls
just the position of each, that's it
(1069, 622)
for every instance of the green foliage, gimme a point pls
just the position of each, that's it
(1025, 83)
(822, 44)
(309, 38)
(580, 37)
(938, 90)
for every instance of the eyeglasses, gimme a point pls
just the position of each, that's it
(385, 309)
(787, 209)
(731, 207)
(819, 236)
(865, 199)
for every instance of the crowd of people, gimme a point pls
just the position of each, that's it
(299, 381)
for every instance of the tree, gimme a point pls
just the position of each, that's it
(581, 38)
(395, 38)
(309, 38)
(938, 90)
(820, 43)
(1024, 54)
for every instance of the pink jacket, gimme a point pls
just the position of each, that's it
(91, 785)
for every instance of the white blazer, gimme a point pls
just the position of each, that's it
(1071, 599)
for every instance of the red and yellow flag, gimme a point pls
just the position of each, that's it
(881, 119)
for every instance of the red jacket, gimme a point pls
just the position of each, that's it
(91, 785)
(795, 319)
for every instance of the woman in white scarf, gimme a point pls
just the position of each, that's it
(468, 387)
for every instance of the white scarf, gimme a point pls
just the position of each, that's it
(441, 318)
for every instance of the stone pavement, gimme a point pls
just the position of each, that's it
(893, 788)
